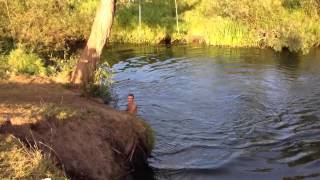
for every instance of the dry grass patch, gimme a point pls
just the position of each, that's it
(19, 162)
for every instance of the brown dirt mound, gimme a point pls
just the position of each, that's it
(88, 139)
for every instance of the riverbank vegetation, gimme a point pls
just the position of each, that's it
(37, 34)
(59, 28)
(279, 24)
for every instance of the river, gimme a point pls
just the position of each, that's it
(223, 113)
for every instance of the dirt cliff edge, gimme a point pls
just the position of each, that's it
(88, 139)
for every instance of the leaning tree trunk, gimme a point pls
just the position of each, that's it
(83, 73)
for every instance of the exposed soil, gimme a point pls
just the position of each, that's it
(87, 138)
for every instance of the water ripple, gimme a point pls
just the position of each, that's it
(225, 113)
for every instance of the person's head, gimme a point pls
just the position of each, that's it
(130, 98)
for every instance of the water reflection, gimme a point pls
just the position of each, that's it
(225, 113)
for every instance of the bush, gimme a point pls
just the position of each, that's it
(25, 63)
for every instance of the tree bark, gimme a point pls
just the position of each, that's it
(83, 73)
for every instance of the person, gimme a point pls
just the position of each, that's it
(132, 106)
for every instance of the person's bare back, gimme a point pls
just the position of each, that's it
(132, 106)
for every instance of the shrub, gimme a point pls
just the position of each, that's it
(25, 63)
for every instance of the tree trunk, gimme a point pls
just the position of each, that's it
(83, 73)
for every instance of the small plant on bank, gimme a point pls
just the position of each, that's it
(21, 62)
(100, 87)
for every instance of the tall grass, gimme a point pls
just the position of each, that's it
(138, 35)
(279, 24)
(220, 31)
(19, 162)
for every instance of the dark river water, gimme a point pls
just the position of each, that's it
(222, 113)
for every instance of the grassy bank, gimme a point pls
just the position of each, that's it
(22, 61)
(20, 162)
(279, 24)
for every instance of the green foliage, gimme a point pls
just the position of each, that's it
(155, 25)
(298, 35)
(278, 24)
(102, 83)
(57, 26)
(47, 25)
(26, 63)
(226, 32)
(143, 34)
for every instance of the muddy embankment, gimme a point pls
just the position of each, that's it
(86, 138)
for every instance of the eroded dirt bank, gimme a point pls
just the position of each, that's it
(88, 139)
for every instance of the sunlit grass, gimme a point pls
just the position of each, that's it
(270, 24)
(19, 162)
(138, 35)
(221, 32)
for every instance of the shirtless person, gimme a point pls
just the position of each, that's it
(132, 106)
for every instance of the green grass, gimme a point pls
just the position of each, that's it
(21, 62)
(220, 32)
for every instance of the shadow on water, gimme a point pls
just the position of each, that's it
(143, 171)
(224, 113)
